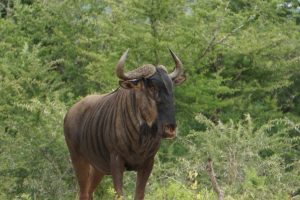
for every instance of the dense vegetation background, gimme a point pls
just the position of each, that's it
(240, 105)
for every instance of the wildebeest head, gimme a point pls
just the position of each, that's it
(153, 88)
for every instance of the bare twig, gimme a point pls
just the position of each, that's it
(211, 173)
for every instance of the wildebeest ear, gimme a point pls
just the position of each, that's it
(179, 79)
(130, 84)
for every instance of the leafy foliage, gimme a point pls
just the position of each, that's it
(240, 57)
(251, 161)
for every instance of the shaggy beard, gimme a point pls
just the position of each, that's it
(147, 131)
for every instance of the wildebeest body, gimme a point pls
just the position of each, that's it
(110, 123)
(108, 134)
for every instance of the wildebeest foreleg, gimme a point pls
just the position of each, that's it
(95, 178)
(142, 176)
(82, 170)
(117, 166)
(87, 176)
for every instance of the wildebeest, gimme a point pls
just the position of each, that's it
(110, 133)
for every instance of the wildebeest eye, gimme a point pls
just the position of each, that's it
(153, 89)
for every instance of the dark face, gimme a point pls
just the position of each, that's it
(160, 89)
(154, 97)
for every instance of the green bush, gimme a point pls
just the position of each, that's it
(239, 56)
(241, 168)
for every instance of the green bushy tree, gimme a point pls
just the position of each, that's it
(239, 56)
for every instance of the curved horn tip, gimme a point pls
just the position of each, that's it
(173, 54)
(125, 53)
(120, 66)
(178, 65)
(170, 50)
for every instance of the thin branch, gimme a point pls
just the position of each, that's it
(212, 42)
(211, 173)
(209, 47)
(229, 34)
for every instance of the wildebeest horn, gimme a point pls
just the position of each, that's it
(141, 72)
(178, 66)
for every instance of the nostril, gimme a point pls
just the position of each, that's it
(169, 131)
(171, 127)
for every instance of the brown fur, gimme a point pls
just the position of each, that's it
(103, 136)
(108, 134)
